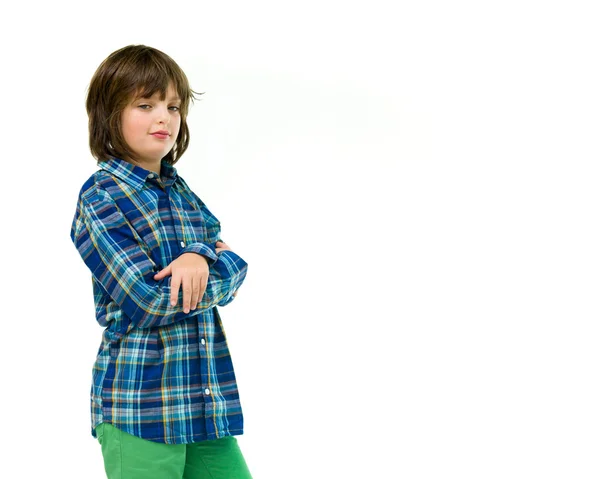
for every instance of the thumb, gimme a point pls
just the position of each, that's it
(163, 272)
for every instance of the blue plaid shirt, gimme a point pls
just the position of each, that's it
(160, 374)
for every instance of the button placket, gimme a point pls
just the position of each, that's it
(175, 205)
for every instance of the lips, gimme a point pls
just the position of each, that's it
(162, 134)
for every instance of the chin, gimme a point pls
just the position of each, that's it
(157, 156)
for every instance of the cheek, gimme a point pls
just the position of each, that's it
(176, 127)
(131, 126)
(139, 123)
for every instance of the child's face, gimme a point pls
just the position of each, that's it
(144, 118)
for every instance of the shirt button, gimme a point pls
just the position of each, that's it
(207, 391)
(151, 175)
(182, 244)
(202, 341)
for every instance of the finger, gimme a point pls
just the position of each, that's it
(187, 291)
(202, 289)
(175, 283)
(223, 248)
(163, 272)
(195, 291)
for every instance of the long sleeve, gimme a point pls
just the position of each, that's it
(118, 260)
(213, 233)
(212, 224)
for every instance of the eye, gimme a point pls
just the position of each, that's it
(175, 108)
(144, 106)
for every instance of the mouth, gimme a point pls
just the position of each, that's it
(162, 134)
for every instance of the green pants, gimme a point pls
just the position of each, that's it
(130, 457)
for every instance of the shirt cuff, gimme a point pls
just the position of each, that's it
(205, 250)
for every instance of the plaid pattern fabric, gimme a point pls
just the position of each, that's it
(160, 374)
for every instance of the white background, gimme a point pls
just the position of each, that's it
(415, 188)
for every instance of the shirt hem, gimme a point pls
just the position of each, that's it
(179, 439)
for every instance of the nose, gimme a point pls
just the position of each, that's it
(163, 115)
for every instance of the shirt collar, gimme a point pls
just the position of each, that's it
(134, 175)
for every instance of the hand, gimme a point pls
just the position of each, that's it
(222, 246)
(190, 271)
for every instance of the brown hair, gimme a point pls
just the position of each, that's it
(132, 71)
